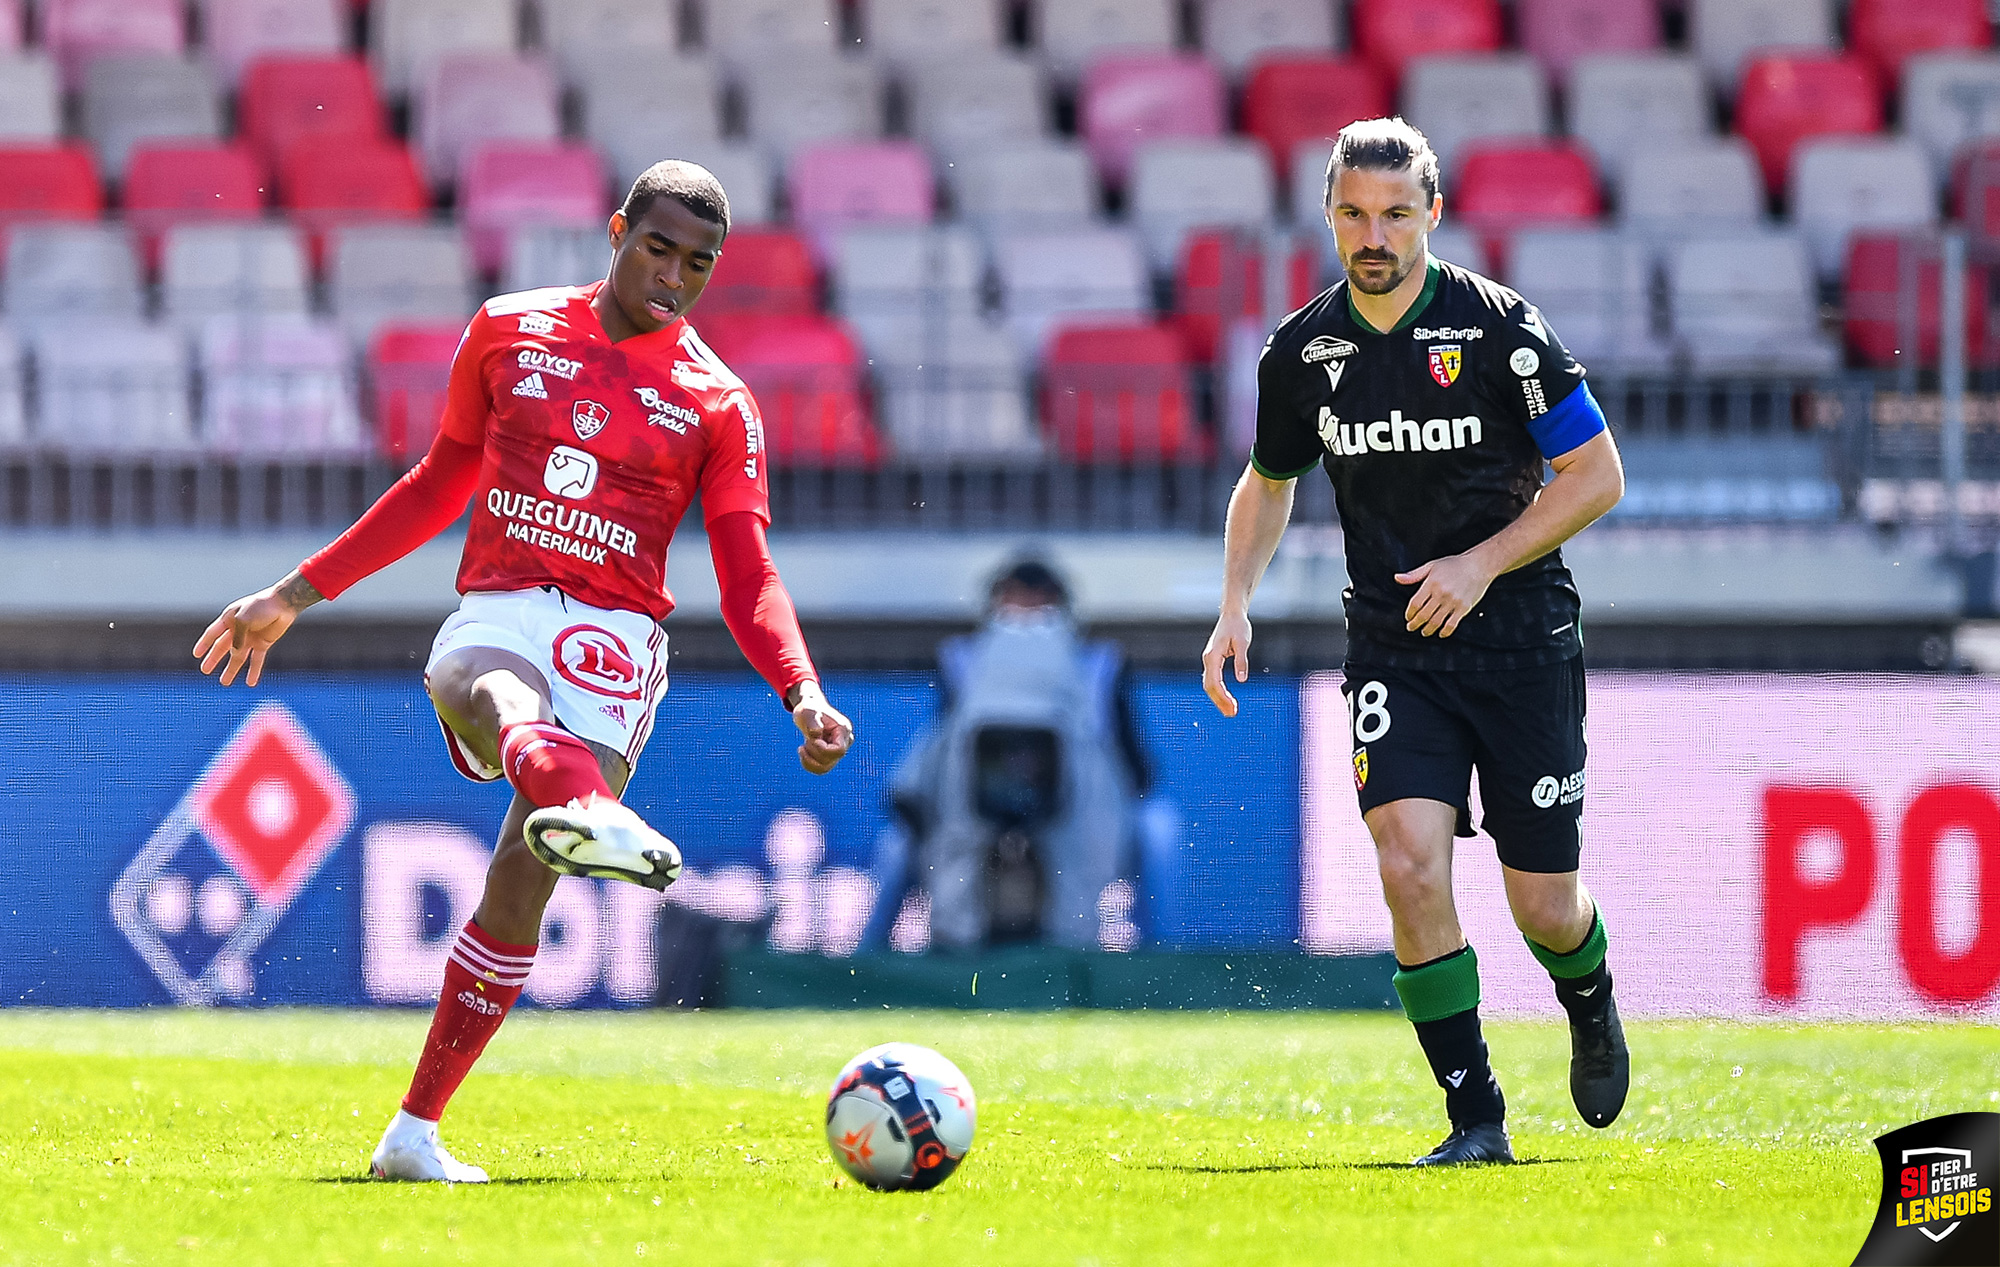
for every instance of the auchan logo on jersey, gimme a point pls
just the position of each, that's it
(554, 526)
(1397, 434)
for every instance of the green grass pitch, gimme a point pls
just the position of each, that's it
(185, 1137)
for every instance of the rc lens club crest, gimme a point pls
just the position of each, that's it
(1445, 361)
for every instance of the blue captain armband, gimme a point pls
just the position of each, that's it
(1575, 420)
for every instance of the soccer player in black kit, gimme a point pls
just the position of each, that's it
(1433, 396)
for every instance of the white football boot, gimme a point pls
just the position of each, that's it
(410, 1151)
(602, 838)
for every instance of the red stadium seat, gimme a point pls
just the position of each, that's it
(1119, 393)
(327, 181)
(1221, 280)
(839, 183)
(169, 183)
(408, 367)
(762, 270)
(1503, 186)
(76, 31)
(1888, 31)
(48, 182)
(1893, 312)
(286, 99)
(505, 185)
(1292, 99)
(1558, 32)
(1787, 98)
(1130, 99)
(1391, 32)
(806, 373)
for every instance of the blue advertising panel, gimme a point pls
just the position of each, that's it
(309, 843)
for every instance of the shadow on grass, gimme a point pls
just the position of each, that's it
(1281, 1166)
(505, 1181)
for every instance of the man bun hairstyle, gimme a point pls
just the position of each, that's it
(690, 184)
(1383, 145)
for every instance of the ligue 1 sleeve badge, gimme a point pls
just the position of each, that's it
(1937, 1195)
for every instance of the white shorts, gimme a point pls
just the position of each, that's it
(606, 670)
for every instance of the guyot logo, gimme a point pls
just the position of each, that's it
(216, 876)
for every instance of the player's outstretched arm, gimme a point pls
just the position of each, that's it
(1259, 509)
(242, 635)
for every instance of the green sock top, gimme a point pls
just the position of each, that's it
(1580, 962)
(1443, 987)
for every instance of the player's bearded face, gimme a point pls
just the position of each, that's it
(1379, 220)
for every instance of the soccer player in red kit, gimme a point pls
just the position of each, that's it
(579, 423)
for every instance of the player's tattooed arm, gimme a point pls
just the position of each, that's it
(243, 634)
(297, 591)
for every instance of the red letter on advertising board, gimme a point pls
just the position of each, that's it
(1794, 903)
(1936, 813)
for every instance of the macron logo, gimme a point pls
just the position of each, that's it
(1455, 1078)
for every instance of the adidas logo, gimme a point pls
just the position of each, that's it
(1455, 1077)
(532, 388)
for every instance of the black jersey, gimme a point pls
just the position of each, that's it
(1434, 435)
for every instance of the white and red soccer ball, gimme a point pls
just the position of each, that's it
(900, 1117)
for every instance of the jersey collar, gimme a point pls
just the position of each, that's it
(1432, 270)
(669, 333)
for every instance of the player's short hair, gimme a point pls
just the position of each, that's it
(1383, 145)
(690, 184)
(1034, 576)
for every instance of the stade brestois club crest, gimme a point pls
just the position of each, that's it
(1937, 1207)
(219, 873)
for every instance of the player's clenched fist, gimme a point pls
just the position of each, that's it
(828, 733)
(1231, 640)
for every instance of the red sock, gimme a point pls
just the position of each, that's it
(548, 765)
(482, 979)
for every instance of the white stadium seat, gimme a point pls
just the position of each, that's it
(468, 99)
(581, 35)
(398, 272)
(1448, 242)
(1072, 32)
(112, 387)
(406, 36)
(1949, 100)
(1744, 303)
(958, 390)
(277, 386)
(13, 392)
(1043, 185)
(1724, 33)
(30, 97)
(910, 34)
(1619, 101)
(747, 32)
(963, 103)
(637, 130)
(236, 33)
(1691, 186)
(136, 97)
(1842, 184)
(555, 255)
(1456, 99)
(747, 176)
(208, 269)
(1595, 287)
(1235, 33)
(1180, 186)
(1309, 160)
(893, 281)
(801, 99)
(64, 271)
(1056, 275)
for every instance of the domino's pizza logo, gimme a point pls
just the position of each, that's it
(216, 876)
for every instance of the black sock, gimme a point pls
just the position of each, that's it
(1457, 1052)
(1586, 995)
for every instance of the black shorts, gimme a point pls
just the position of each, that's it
(1421, 733)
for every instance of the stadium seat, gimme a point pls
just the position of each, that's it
(286, 99)
(77, 32)
(1130, 99)
(168, 184)
(237, 33)
(1949, 101)
(581, 35)
(911, 34)
(892, 282)
(277, 386)
(112, 387)
(1744, 303)
(1119, 393)
(1072, 33)
(957, 391)
(1619, 102)
(1448, 242)
(1595, 288)
(1308, 197)
(806, 374)
(406, 36)
(210, 269)
(1220, 279)
(1690, 186)
(132, 97)
(1785, 100)
(409, 367)
(962, 104)
(1237, 34)
(67, 271)
(556, 255)
(48, 182)
(1290, 100)
(1558, 32)
(1045, 185)
(1893, 301)
(11, 34)
(328, 181)
(1503, 187)
(30, 98)
(1391, 33)
(465, 100)
(836, 185)
(762, 270)
(637, 130)
(1180, 186)
(1843, 184)
(505, 185)
(805, 99)
(1889, 32)
(746, 33)
(1726, 35)
(1457, 100)
(1050, 276)
(746, 174)
(382, 274)
(13, 392)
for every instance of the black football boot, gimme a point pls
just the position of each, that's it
(1600, 1064)
(1482, 1144)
